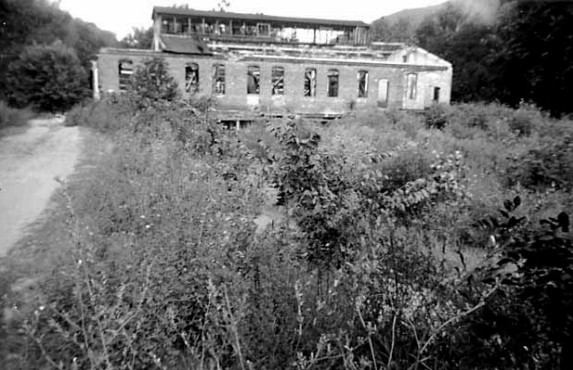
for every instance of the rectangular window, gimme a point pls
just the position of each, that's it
(436, 97)
(263, 29)
(168, 26)
(183, 25)
(253, 79)
(310, 82)
(278, 81)
(362, 84)
(332, 87)
(219, 79)
(411, 88)
(125, 70)
(192, 77)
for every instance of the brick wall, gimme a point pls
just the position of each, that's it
(235, 97)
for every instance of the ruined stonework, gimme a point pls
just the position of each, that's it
(257, 63)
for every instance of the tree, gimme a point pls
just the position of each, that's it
(49, 78)
(536, 55)
(151, 82)
(140, 38)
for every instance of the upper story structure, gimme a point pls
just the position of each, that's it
(262, 63)
(253, 28)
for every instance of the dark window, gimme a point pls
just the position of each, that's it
(192, 77)
(125, 70)
(278, 81)
(253, 79)
(168, 25)
(219, 79)
(362, 84)
(332, 88)
(436, 97)
(263, 29)
(310, 82)
(411, 88)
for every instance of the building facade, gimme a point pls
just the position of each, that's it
(259, 63)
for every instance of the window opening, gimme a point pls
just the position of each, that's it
(436, 97)
(310, 82)
(125, 73)
(411, 82)
(263, 29)
(277, 80)
(192, 77)
(219, 79)
(332, 88)
(253, 79)
(383, 87)
(362, 84)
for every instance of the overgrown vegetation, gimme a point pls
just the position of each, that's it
(12, 117)
(401, 244)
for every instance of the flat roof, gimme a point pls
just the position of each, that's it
(287, 21)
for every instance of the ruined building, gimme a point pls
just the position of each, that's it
(255, 63)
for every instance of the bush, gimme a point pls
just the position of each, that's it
(12, 116)
(47, 78)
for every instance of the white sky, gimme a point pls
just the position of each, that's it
(120, 16)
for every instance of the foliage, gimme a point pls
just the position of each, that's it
(139, 38)
(152, 83)
(385, 255)
(29, 22)
(48, 78)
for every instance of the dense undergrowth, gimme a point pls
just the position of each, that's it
(12, 117)
(433, 241)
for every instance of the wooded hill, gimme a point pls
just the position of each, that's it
(508, 51)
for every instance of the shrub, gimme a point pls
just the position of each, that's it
(12, 116)
(48, 78)
(437, 116)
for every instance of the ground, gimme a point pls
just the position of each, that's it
(30, 163)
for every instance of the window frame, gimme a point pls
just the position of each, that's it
(254, 75)
(411, 86)
(309, 88)
(124, 74)
(362, 77)
(332, 83)
(278, 80)
(219, 75)
(192, 87)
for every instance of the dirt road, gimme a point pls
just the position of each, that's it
(29, 164)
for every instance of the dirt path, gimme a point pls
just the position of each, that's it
(29, 164)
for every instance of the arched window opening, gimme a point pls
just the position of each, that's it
(278, 80)
(332, 88)
(310, 82)
(191, 77)
(253, 79)
(411, 85)
(362, 84)
(219, 79)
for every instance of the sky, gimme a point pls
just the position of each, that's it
(120, 16)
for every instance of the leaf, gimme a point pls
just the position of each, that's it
(508, 205)
(516, 202)
(504, 213)
(563, 221)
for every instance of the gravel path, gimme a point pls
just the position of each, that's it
(30, 162)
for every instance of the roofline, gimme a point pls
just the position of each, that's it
(258, 17)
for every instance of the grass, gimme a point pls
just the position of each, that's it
(12, 117)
